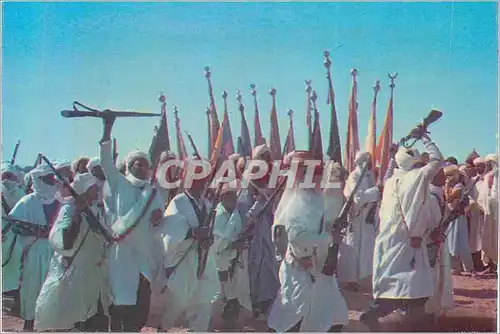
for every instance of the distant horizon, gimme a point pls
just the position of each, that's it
(123, 55)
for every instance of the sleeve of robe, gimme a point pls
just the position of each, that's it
(390, 169)
(173, 232)
(62, 223)
(113, 175)
(435, 160)
(221, 237)
(301, 240)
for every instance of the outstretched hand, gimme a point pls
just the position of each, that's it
(107, 122)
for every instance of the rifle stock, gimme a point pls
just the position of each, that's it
(340, 224)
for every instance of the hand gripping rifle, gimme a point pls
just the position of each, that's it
(340, 225)
(91, 219)
(91, 112)
(421, 129)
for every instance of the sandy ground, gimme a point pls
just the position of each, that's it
(475, 298)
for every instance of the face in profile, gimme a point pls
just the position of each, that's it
(140, 169)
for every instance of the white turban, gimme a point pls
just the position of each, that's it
(59, 164)
(478, 161)
(492, 158)
(94, 162)
(234, 157)
(76, 162)
(8, 167)
(259, 150)
(41, 170)
(362, 157)
(83, 182)
(406, 160)
(133, 156)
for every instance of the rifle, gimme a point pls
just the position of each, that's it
(94, 224)
(210, 222)
(26, 228)
(340, 224)
(421, 129)
(13, 160)
(91, 112)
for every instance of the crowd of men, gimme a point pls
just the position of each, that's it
(430, 218)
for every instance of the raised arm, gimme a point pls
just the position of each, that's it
(390, 169)
(435, 159)
(106, 155)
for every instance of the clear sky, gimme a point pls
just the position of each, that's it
(122, 55)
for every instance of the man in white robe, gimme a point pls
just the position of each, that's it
(184, 238)
(476, 213)
(439, 255)
(63, 168)
(40, 209)
(134, 259)
(79, 165)
(308, 300)
(356, 252)
(402, 276)
(75, 293)
(12, 192)
(489, 201)
(231, 255)
(170, 176)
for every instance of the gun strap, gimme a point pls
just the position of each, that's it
(6, 208)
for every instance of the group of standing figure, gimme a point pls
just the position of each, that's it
(267, 259)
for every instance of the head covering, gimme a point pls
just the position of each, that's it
(45, 191)
(406, 158)
(491, 157)
(59, 164)
(133, 156)
(362, 157)
(197, 170)
(259, 150)
(94, 162)
(76, 162)
(234, 157)
(7, 167)
(479, 160)
(450, 170)
(83, 182)
(452, 160)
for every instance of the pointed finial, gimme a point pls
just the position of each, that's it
(290, 113)
(224, 94)
(354, 72)
(314, 96)
(176, 112)
(238, 96)
(327, 61)
(392, 77)
(376, 87)
(162, 98)
(208, 74)
(254, 92)
(272, 92)
(308, 86)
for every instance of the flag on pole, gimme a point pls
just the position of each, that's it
(209, 131)
(309, 121)
(385, 140)
(246, 144)
(334, 150)
(224, 146)
(274, 138)
(181, 147)
(161, 139)
(214, 118)
(258, 138)
(317, 140)
(352, 143)
(371, 137)
(289, 145)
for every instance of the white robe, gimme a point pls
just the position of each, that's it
(394, 277)
(318, 304)
(10, 243)
(226, 230)
(476, 216)
(442, 300)
(38, 253)
(77, 276)
(185, 291)
(140, 251)
(490, 235)
(356, 252)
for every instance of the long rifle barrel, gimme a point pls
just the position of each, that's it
(14, 155)
(101, 114)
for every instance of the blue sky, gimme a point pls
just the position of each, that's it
(122, 55)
